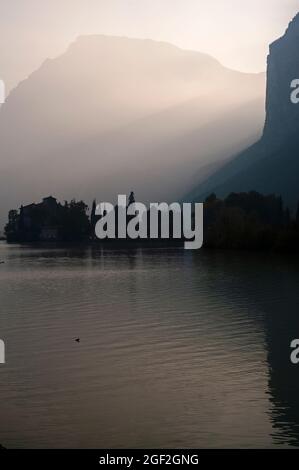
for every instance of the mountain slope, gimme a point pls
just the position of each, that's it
(271, 165)
(113, 114)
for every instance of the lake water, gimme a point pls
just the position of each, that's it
(177, 348)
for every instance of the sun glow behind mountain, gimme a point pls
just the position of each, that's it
(31, 31)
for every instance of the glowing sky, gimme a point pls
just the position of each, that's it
(236, 32)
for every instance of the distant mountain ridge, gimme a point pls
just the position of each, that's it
(114, 114)
(272, 164)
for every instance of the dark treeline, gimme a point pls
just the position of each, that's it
(50, 221)
(250, 221)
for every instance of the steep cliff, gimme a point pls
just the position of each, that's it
(272, 164)
(282, 118)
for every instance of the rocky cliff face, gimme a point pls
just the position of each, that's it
(272, 164)
(282, 117)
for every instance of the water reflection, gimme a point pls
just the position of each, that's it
(178, 349)
(272, 285)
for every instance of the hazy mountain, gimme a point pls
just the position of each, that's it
(114, 114)
(272, 164)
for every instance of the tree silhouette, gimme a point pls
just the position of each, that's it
(131, 198)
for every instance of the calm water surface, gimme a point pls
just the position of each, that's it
(178, 349)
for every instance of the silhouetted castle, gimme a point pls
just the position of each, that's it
(46, 213)
(48, 220)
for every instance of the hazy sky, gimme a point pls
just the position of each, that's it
(237, 32)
